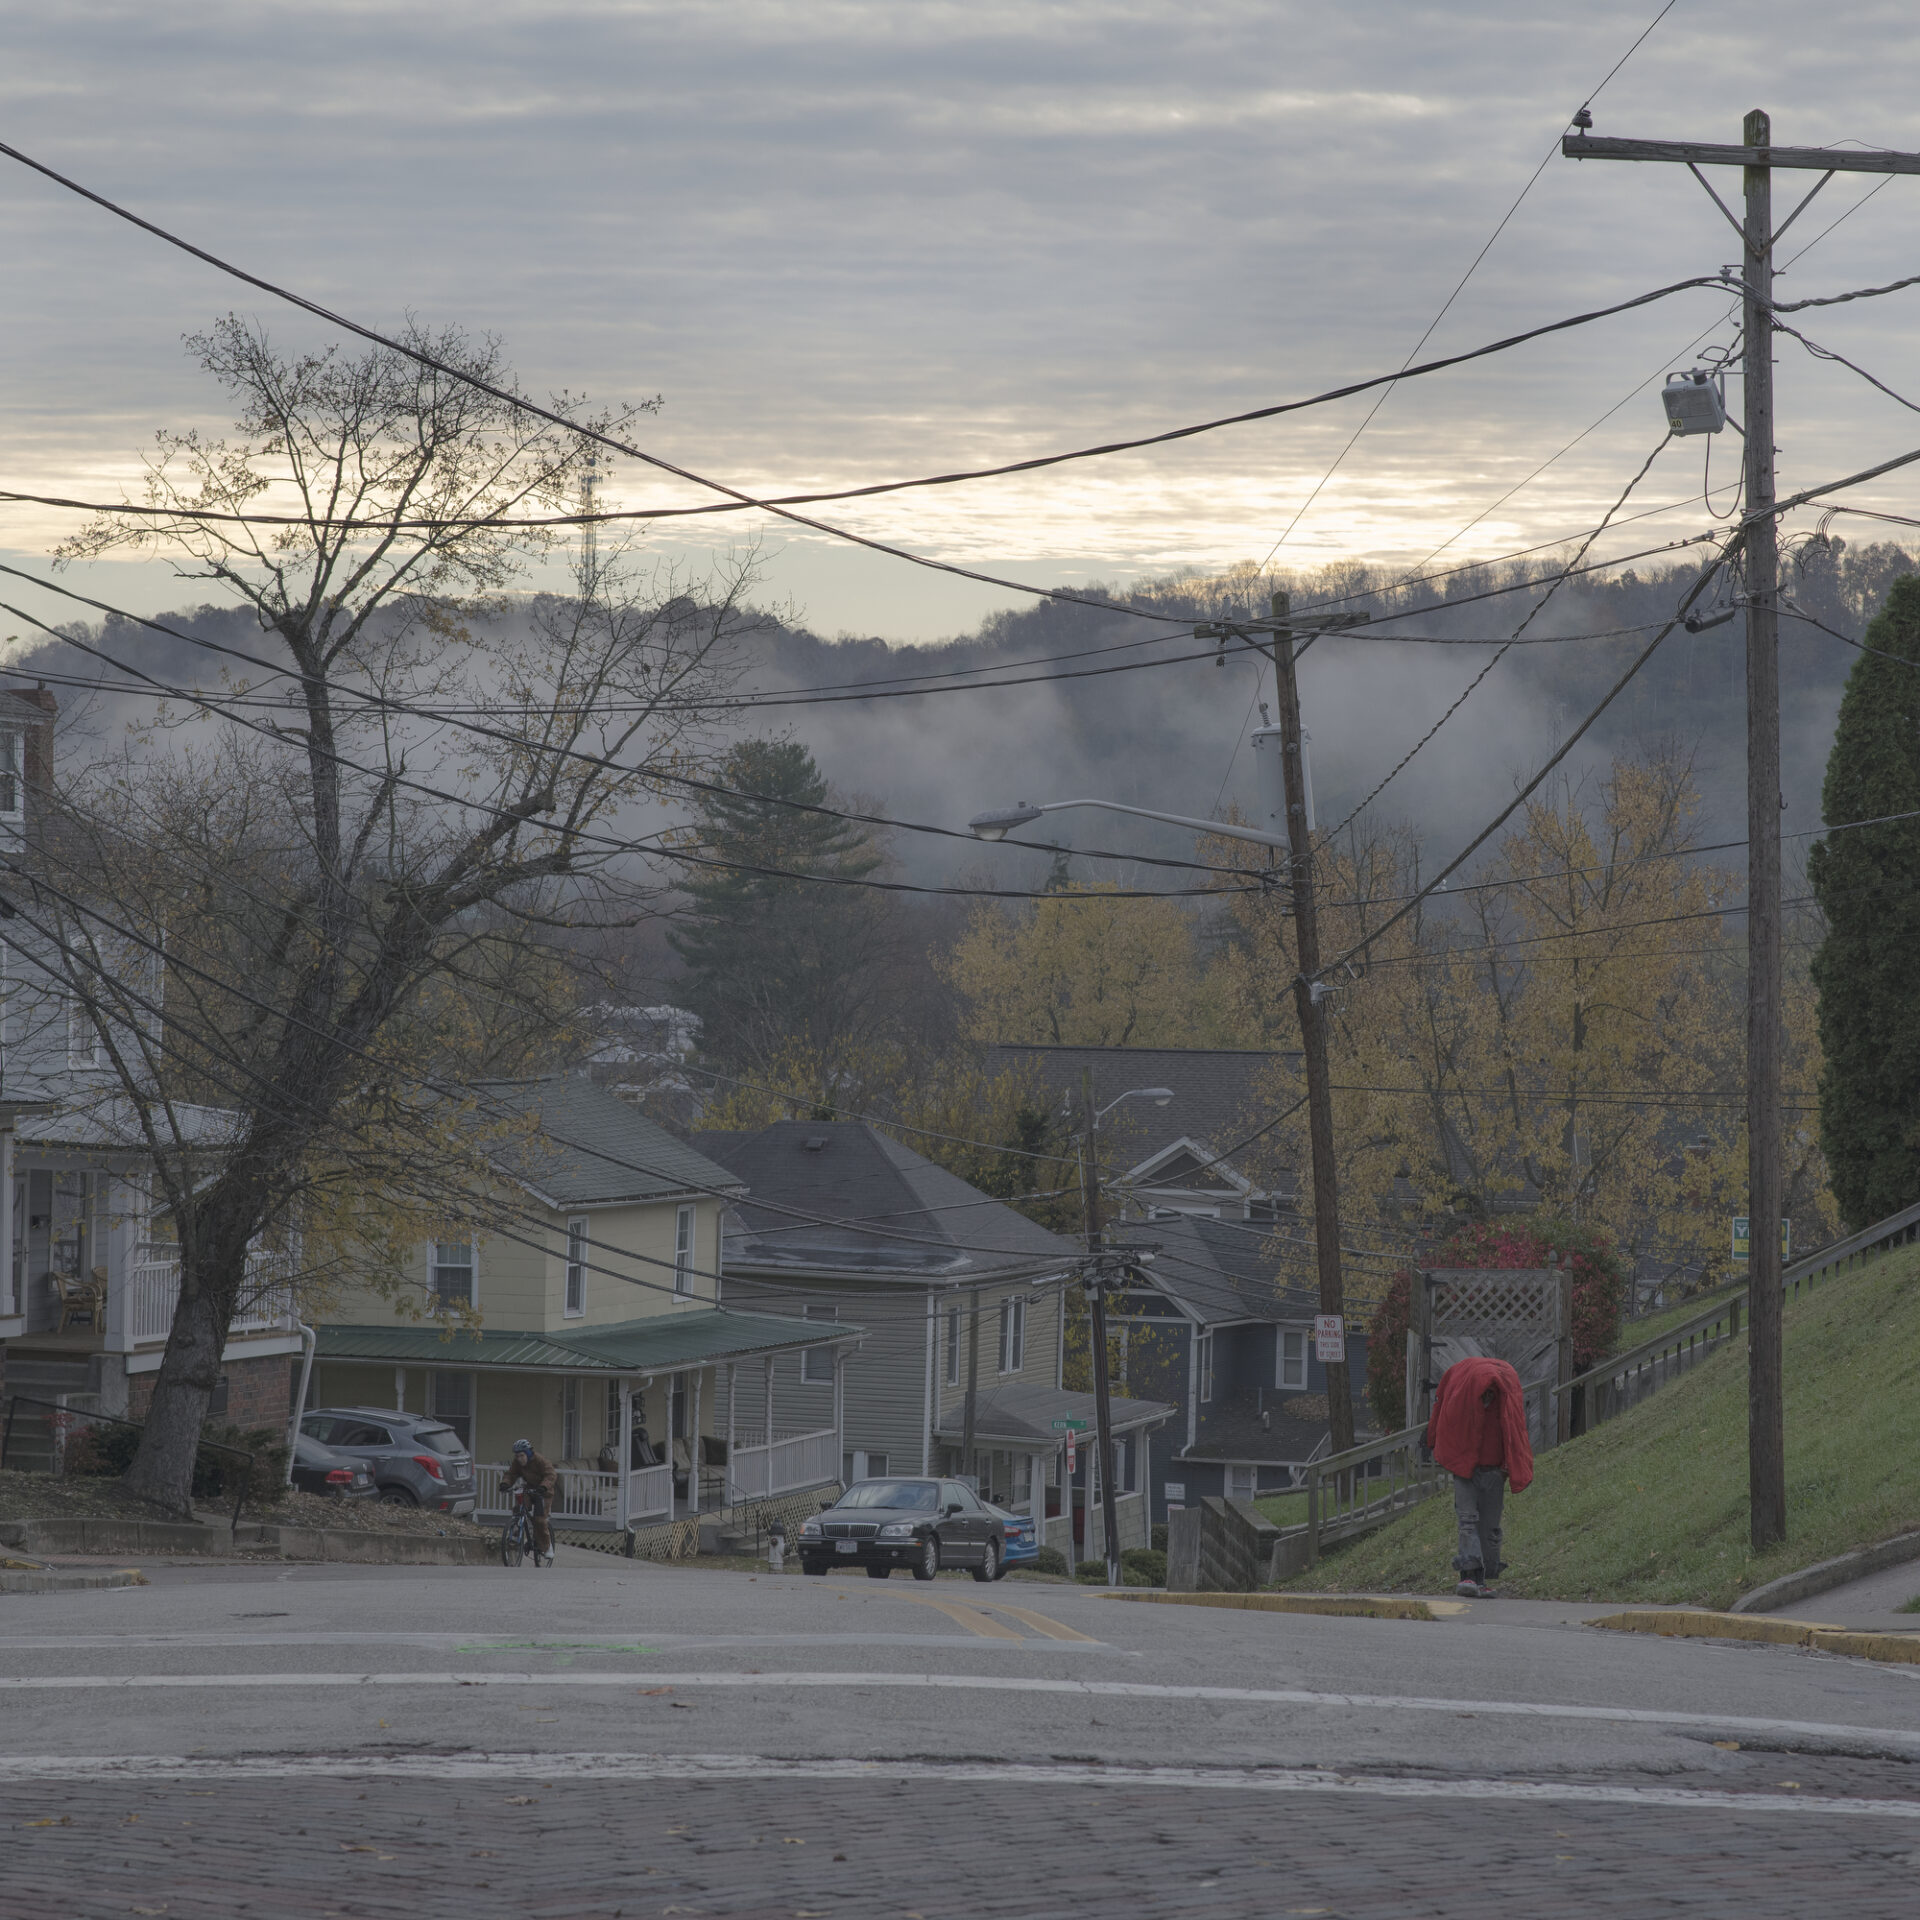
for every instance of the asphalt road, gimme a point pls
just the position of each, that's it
(605, 1738)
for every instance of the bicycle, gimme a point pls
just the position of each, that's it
(516, 1537)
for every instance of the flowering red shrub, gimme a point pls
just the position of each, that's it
(1599, 1293)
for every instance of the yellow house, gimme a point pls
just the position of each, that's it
(598, 1315)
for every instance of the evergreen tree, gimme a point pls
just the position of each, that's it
(1867, 881)
(772, 958)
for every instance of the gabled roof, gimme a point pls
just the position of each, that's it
(1220, 1094)
(1025, 1416)
(588, 1148)
(656, 1344)
(839, 1197)
(1225, 1272)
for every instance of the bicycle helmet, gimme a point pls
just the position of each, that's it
(523, 1446)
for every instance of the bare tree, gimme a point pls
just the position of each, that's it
(409, 777)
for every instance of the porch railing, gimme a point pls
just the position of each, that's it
(787, 1461)
(585, 1498)
(153, 1292)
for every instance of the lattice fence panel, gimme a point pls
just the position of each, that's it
(1511, 1314)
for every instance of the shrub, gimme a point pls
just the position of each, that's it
(1091, 1570)
(1149, 1562)
(1157, 1539)
(108, 1449)
(1599, 1293)
(1050, 1560)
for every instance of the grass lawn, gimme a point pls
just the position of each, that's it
(1653, 1506)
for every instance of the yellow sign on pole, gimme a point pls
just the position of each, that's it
(1743, 1238)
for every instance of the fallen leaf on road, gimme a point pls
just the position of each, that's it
(1794, 1784)
(64, 1820)
(519, 1799)
(348, 1847)
(683, 1706)
(648, 1692)
(1728, 1746)
(792, 1842)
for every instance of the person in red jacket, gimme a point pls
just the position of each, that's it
(1478, 1432)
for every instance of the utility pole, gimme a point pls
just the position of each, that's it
(1096, 1285)
(973, 1381)
(1758, 157)
(1309, 998)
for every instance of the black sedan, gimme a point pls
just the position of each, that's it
(334, 1476)
(922, 1524)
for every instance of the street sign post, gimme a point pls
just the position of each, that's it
(1330, 1337)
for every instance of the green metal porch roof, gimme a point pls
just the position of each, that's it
(654, 1345)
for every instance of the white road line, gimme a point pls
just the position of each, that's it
(960, 1682)
(680, 1769)
(490, 1642)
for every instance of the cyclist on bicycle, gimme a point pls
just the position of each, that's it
(538, 1475)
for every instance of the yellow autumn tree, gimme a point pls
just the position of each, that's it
(1086, 966)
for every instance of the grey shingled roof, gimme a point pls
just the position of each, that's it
(1026, 1415)
(590, 1148)
(889, 1211)
(1227, 1271)
(1219, 1094)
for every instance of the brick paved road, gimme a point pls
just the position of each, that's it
(914, 1850)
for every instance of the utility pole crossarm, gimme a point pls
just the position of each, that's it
(1584, 146)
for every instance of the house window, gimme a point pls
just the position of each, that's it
(862, 1466)
(452, 1273)
(83, 1038)
(816, 1363)
(683, 1251)
(953, 1346)
(1203, 1357)
(1291, 1356)
(570, 1418)
(1013, 1333)
(576, 1268)
(12, 787)
(450, 1398)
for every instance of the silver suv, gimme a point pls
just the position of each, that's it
(417, 1460)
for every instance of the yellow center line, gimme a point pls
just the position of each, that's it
(1040, 1623)
(975, 1623)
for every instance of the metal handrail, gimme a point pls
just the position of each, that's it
(1728, 1305)
(139, 1426)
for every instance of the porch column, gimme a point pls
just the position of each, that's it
(693, 1447)
(626, 1451)
(1037, 1495)
(766, 1438)
(9, 1273)
(728, 1485)
(399, 1389)
(839, 1401)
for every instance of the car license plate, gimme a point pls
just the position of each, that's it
(846, 1546)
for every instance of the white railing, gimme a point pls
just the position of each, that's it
(153, 1291)
(584, 1497)
(795, 1460)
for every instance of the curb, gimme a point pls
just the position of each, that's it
(254, 1540)
(1345, 1608)
(53, 1582)
(1901, 1649)
(1824, 1575)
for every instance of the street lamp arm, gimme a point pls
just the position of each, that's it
(985, 824)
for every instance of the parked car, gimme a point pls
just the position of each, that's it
(921, 1524)
(1022, 1536)
(417, 1461)
(334, 1476)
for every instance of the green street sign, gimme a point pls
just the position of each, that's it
(1069, 1426)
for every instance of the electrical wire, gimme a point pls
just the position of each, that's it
(1533, 613)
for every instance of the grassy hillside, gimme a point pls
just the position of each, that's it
(1653, 1506)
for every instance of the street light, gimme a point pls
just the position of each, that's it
(998, 822)
(1096, 1285)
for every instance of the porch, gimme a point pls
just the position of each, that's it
(648, 1421)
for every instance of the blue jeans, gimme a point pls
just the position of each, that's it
(1476, 1505)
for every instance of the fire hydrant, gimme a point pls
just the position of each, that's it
(777, 1548)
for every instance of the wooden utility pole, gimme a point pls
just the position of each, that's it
(1766, 1414)
(1758, 157)
(1096, 1286)
(1309, 998)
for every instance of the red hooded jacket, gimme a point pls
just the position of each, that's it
(1457, 1421)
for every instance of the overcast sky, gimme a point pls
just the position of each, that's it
(848, 240)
